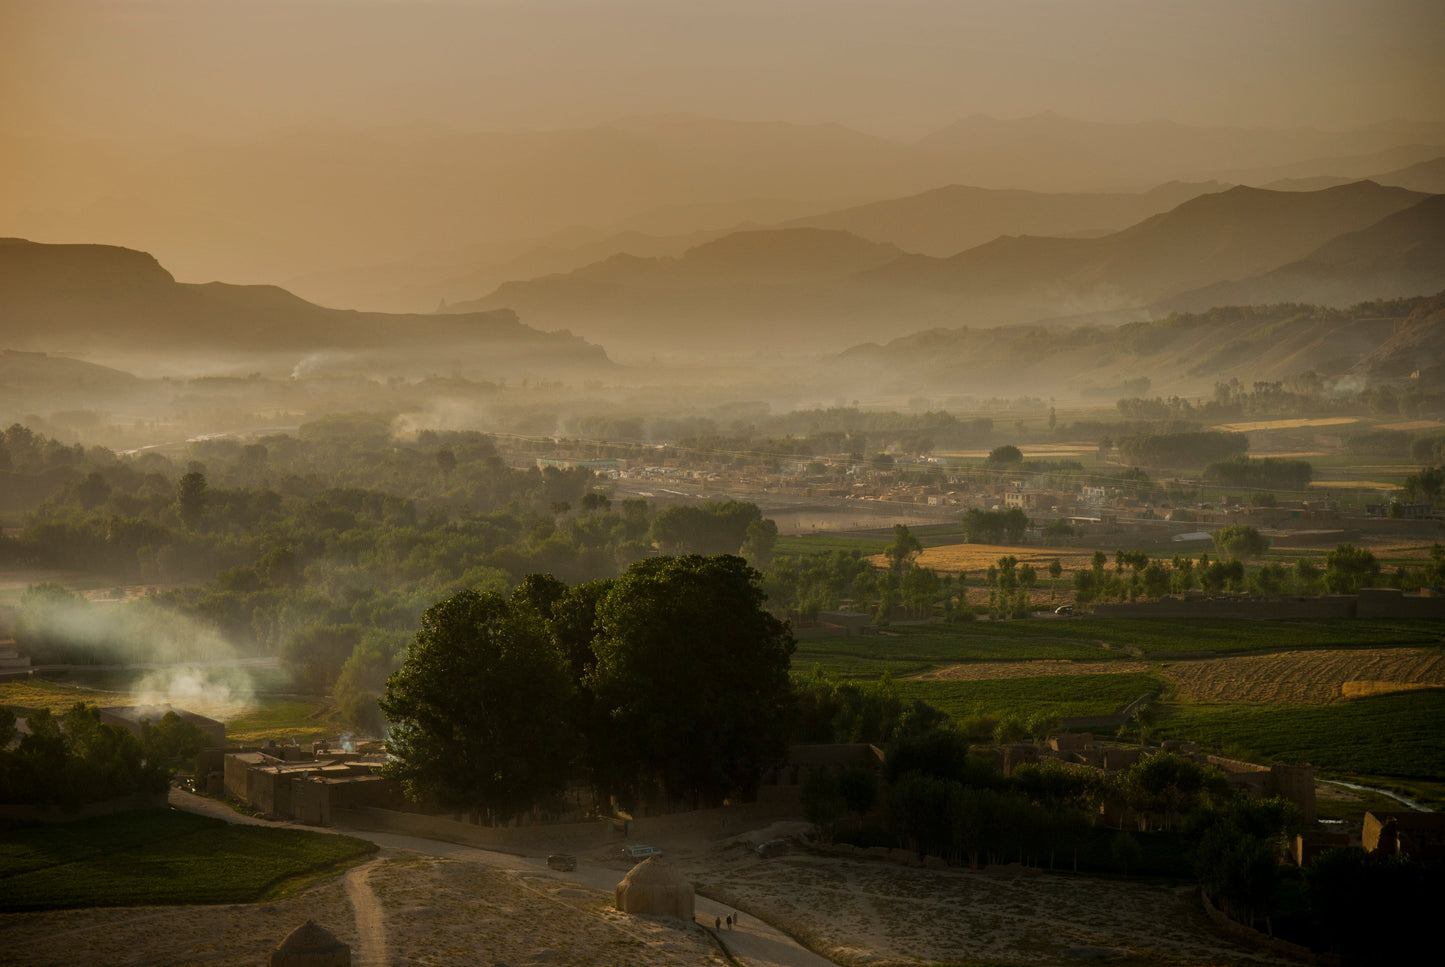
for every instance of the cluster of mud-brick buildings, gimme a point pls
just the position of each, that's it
(303, 783)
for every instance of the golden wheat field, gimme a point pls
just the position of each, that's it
(975, 558)
(1353, 484)
(1412, 425)
(1286, 424)
(1308, 677)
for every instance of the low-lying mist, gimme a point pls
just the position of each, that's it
(158, 655)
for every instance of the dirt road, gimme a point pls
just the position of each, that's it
(751, 943)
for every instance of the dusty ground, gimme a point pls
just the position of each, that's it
(464, 907)
(861, 911)
(1314, 677)
(431, 910)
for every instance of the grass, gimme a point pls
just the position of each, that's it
(1062, 695)
(1383, 736)
(34, 693)
(159, 857)
(911, 650)
(273, 718)
(806, 544)
(1391, 740)
(1359, 802)
(1163, 636)
(284, 720)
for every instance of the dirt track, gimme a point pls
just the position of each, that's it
(422, 902)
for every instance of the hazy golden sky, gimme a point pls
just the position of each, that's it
(900, 67)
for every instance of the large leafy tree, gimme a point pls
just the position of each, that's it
(479, 710)
(695, 674)
(1239, 542)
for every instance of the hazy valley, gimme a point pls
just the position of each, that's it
(777, 483)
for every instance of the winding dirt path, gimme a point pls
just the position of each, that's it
(369, 914)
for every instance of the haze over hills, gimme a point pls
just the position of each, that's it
(1219, 236)
(827, 288)
(746, 292)
(1426, 176)
(941, 221)
(948, 220)
(120, 305)
(1401, 255)
(1184, 355)
(321, 199)
(938, 222)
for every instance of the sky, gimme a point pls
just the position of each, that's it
(165, 68)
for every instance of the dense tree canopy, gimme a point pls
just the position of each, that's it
(995, 526)
(695, 674)
(479, 710)
(1240, 542)
(710, 528)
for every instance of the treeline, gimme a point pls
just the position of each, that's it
(756, 437)
(332, 579)
(75, 758)
(1347, 569)
(670, 680)
(1193, 449)
(1302, 395)
(1268, 473)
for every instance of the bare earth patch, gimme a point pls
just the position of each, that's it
(1025, 669)
(433, 911)
(1308, 677)
(866, 912)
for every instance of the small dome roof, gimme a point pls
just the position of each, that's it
(308, 938)
(654, 872)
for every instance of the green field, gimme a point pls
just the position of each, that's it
(282, 719)
(1385, 740)
(159, 857)
(1387, 735)
(806, 544)
(1062, 695)
(929, 535)
(59, 699)
(910, 650)
(1163, 636)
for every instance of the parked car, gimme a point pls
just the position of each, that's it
(1064, 609)
(565, 862)
(639, 852)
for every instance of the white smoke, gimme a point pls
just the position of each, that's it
(219, 692)
(185, 663)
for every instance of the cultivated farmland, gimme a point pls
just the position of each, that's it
(1308, 677)
(159, 857)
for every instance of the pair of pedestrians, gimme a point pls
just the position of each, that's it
(732, 920)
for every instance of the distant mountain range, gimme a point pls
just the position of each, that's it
(1234, 233)
(1399, 256)
(819, 287)
(948, 220)
(117, 304)
(1184, 355)
(301, 202)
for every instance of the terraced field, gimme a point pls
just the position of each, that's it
(1364, 699)
(1308, 677)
